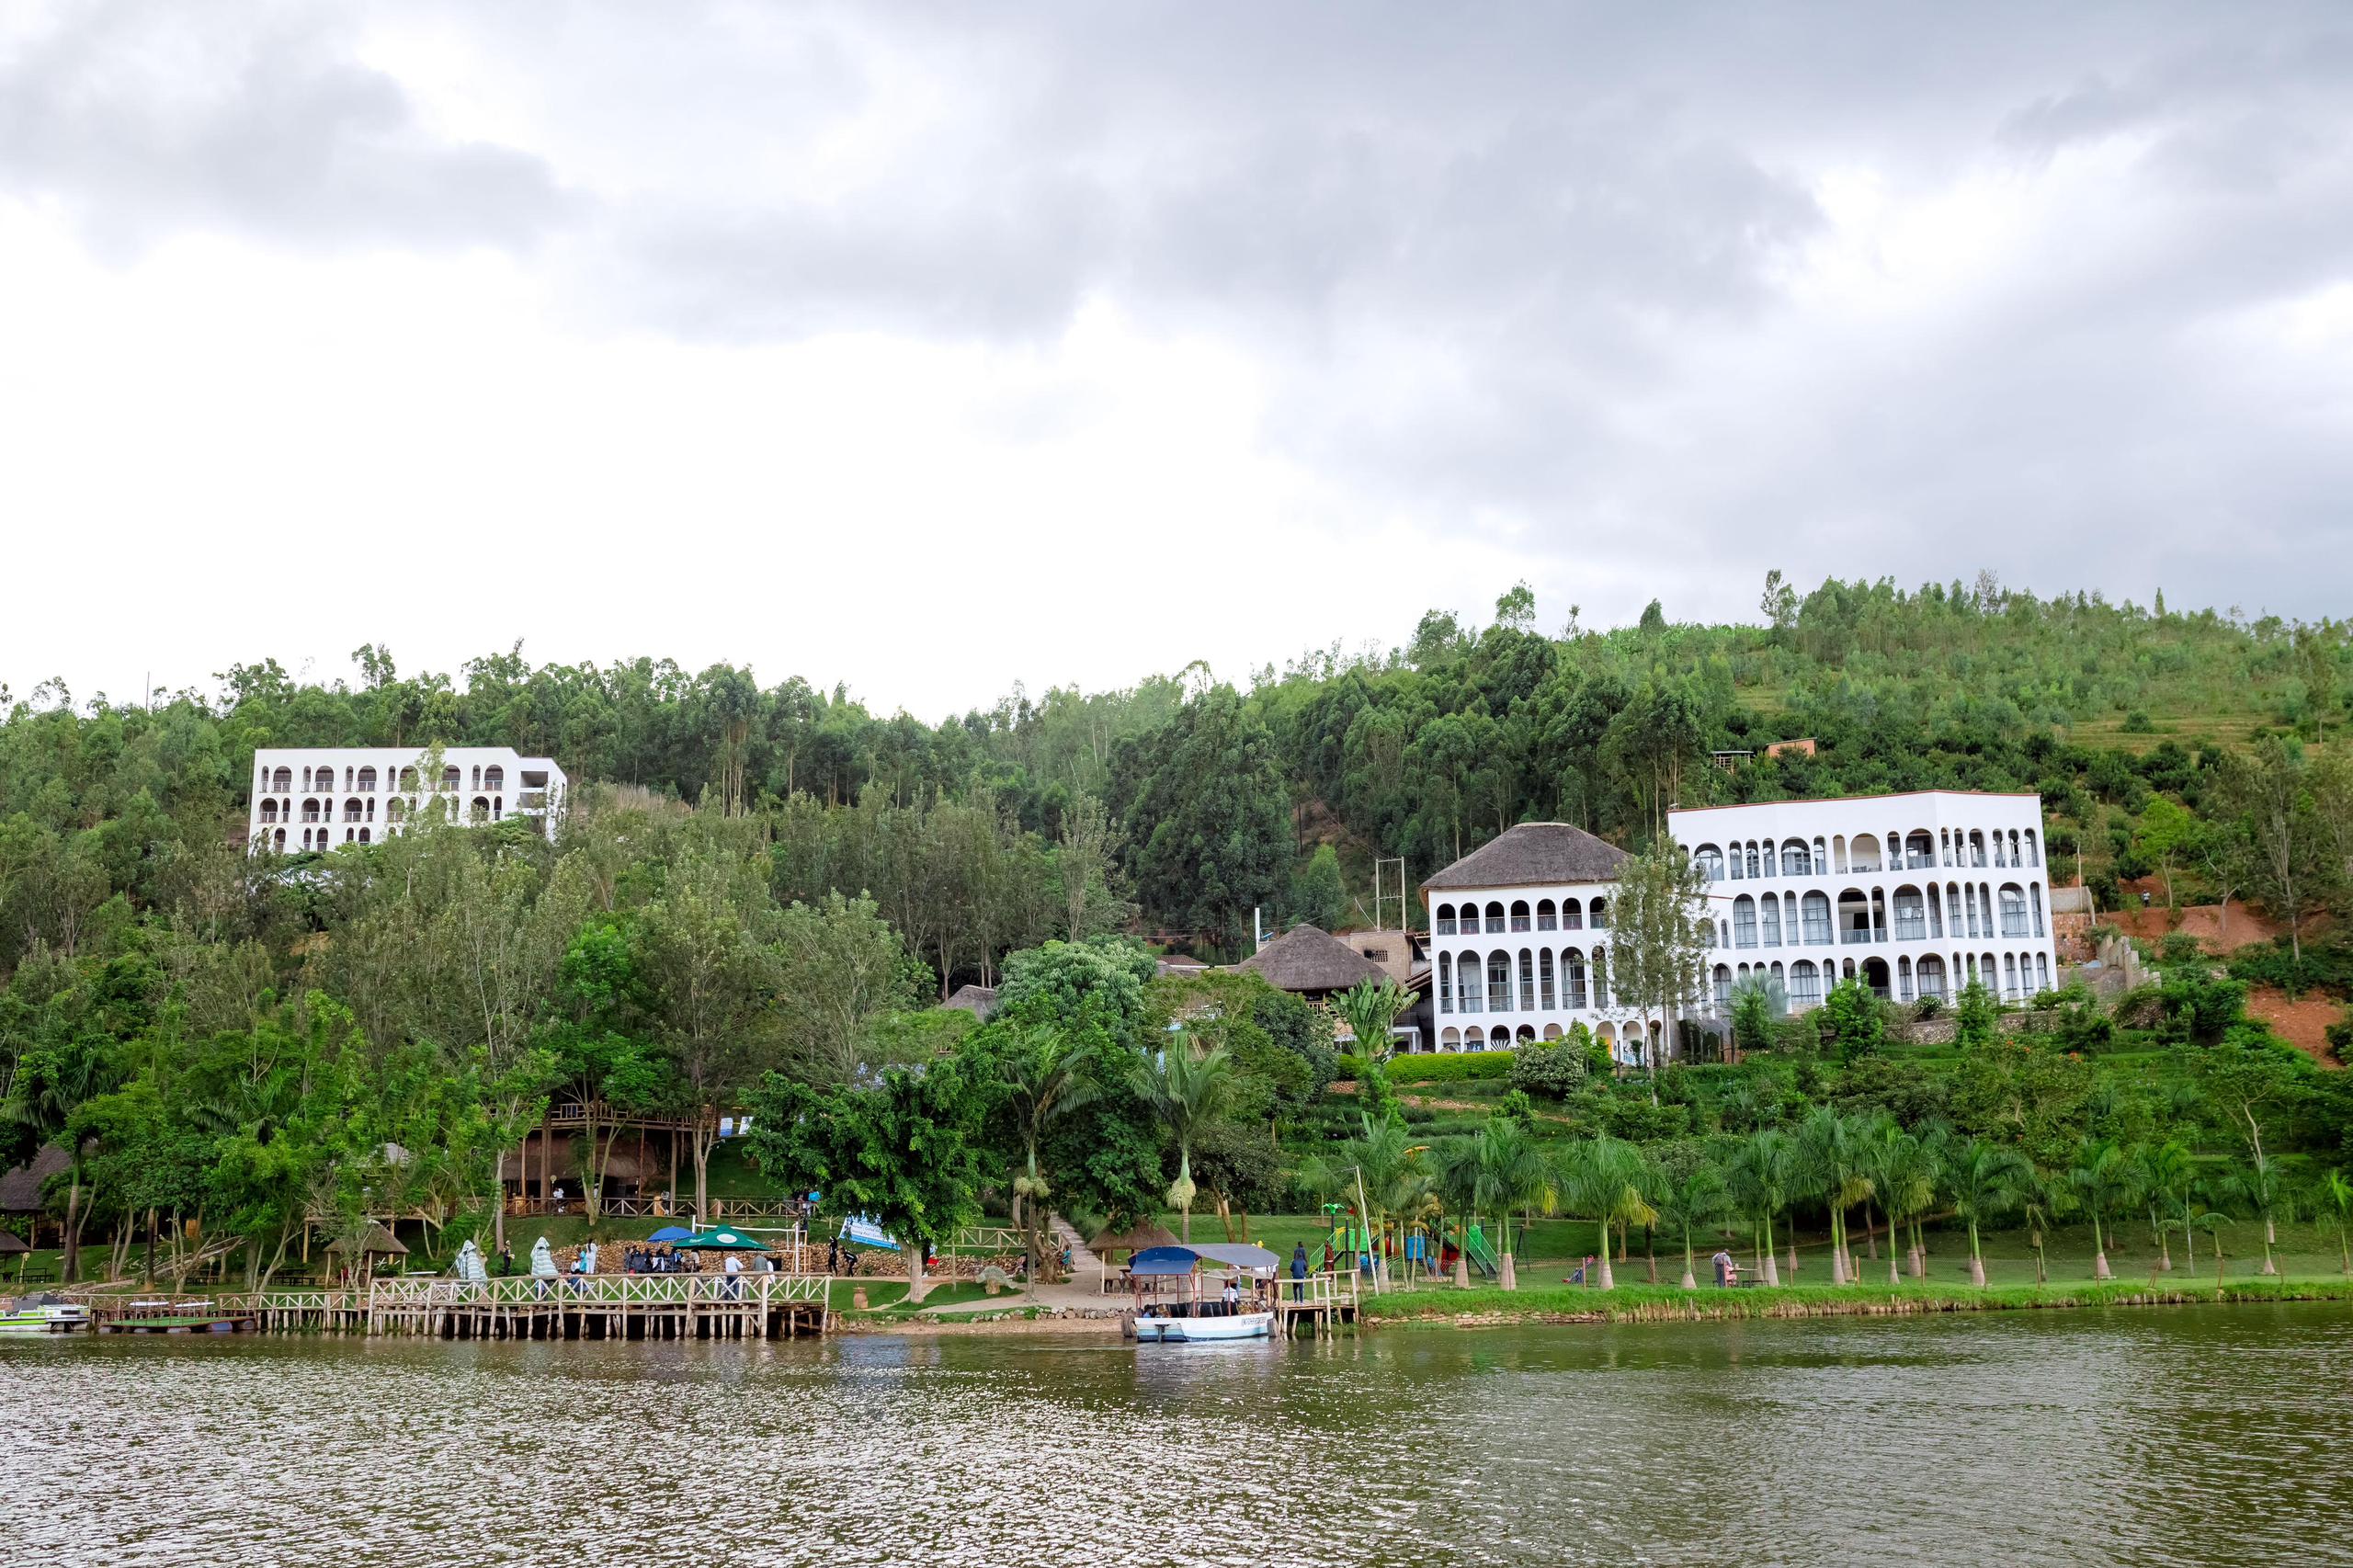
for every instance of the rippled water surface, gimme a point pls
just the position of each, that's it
(2155, 1435)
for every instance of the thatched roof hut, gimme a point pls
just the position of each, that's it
(978, 1000)
(11, 1244)
(1311, 963)
(1533, 853)
(20, 1188)
(377, 1241)
(1135, 1238)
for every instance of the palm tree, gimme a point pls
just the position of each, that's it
(1762, 1172)
(1508, 1172)
(1605, 1178)
(2337, 1193)
(1905, 1178)
(1458, 1185)
(1376, 1158)
(2103, 1181)
(2163, 1177)
(1984, 1181)
(1700, 1198)
(1832, 1151)
(1187, 1088)
(2271, 1197)
(2045, 1199)
(1048, 1078)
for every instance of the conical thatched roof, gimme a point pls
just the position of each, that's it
(20, 1188)
(978, 1000)
(12, 1243)
(1135, 1238)
(1534, 854)
(378, 1239)
(1306, 960)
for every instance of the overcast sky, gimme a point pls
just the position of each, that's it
(934, 347)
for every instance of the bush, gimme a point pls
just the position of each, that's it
(1637, 1121)
(2199, 1010)
(2325, 967)
(1548, 1072)
(1447, 1069)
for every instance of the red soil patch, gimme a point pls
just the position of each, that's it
(2302, 1024)
(2203, 921)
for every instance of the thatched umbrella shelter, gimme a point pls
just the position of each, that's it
(377, 1241)
(1136, 1238)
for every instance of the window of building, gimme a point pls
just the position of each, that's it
(1805, 984)
(1601, 977)
(1796, 859)
(1600, 914)
(2034, 896)
(1466, 989)
(1571, 916)
(1911, 916)
(1544, 979)
(1526, 981)
(1772, 925)
(1815, 907)
(1443, 922)
(367, 784)
(1711, 861)
(1445, 983)
(1723, 988)
(1548, 915)
(1519, 920)
(1743, 922)
(1498, 982)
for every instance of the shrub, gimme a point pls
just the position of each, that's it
(2199, 1010)
(1550, 1071)
(1851, 1019)
(2325, 967)
(1634, 1119)
(1445, 1069)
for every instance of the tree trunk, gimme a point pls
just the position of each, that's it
(2165, 1253)
(916, 1288)
(2099, 1253)
(70, 1233)
(1772, 1275)
(702, 1175)
(1608, 1279)
(1794, 1259)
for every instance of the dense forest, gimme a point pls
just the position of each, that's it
(776, 880)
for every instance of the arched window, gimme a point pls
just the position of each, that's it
(352, 809)
(1769, 859)
(1754, 864)
(451, 778)
(2013, 910)
(1911, 916)
(1601, 977)
(1450, 1038)
(2009, 976)
(1931, 975)
(1495, 917)
(1743, 922)
(1525, 1034)
(396, 808)
(1443, 922)
(1470, 997)
(1821, 860)
(1499, 982)
(1723, 933)
(2033, 856)
(363, 836)
(1573, 979)
(1723, 988)
(1777, 975)
(1796, 859)
(1520, 914)
(477, 776)
(497, 807)
(277, 841)
(408, 780)
(1445, 983)
(1526, 981)
(1864, 852)
(1735, 863)
(2042, 969)
(1805, 984)
(480, 810)
(1711, 861)
(1474, 1039)
(494, 778)
(1552, 1032)
(367, 784)
(1919, 850)
(285, 780)
(2034, 897)
(1545, 998)
(1815, 906)
(1600, 914)
(1548, 915)
(1571, 916)
(1771, 935)
(269, 811)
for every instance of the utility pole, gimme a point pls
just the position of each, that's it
(1379, 900)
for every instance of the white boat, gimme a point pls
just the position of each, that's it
(45, 1314)
(1196, 1321)
(1157, 1330)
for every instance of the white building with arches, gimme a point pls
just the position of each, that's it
(312, 798)
(1520, 942)
(1913, 895)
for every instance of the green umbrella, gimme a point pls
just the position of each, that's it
(724, 1240)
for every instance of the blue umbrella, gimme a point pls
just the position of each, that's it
(670, 1233)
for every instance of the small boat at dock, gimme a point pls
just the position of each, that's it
(1195, 1320)
(44, 1313)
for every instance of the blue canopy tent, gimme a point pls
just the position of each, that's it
(670, 1233)
(1167, 1261)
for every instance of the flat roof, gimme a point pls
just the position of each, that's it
(1887, 795)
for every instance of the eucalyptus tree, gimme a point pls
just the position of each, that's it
(1186, 1088)
(1984, 1181)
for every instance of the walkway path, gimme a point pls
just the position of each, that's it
(1081, 1291)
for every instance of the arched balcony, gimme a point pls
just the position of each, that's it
(1442, 921)
(1520, 920)
(1711, 861)
(1548, 915)
(366, 781)
(494, 778)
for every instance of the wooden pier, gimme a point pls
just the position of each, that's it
(1319, 1303)
(597, 1306)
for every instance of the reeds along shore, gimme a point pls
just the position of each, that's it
(1658, 1303)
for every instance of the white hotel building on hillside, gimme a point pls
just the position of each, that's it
(319, 797)
(1913, 895)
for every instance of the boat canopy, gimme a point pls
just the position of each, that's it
(1161, 1261)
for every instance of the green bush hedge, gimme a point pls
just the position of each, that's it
(1438, 1069)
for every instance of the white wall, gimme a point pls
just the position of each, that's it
(325, 794)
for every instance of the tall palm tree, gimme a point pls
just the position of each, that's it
(1984, 1181)
(1187, 1088)
(1509, 1173)
(2045, 1198)
(1458, 1185)
(1833, 1155)
(1698, 1198)
(1905, 1178)
(1047, 1078)
(2337, 1193)
(1763, 1171)
(2271, 1198)
(2163, 1177)
(1604, 1179)
(2104, 1181)
(1376, 1157)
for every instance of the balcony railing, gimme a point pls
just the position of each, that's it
(1854, 938)
(1911, 930)
(1519, 923)
(1498, 999)
(2013, 927)
(1471, 1001)
(1443, 928)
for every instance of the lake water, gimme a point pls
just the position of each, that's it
(2146, 1437)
